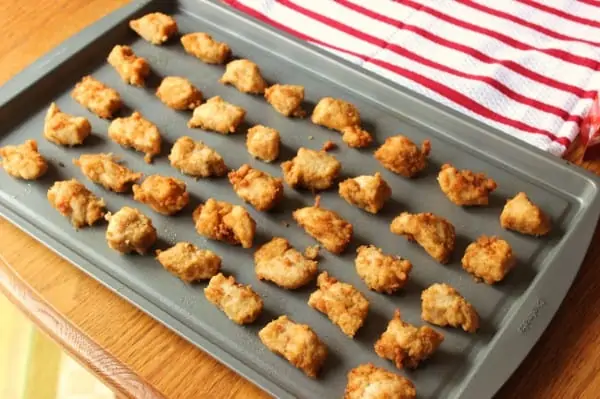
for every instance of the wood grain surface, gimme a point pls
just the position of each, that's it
(140, 358)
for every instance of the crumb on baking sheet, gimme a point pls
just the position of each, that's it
(312, 252)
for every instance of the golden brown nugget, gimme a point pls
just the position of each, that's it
(23, 161)
(435, 234)
(245, 76)
(263, 143)
(202, 46)
(178, 93)
(64, 129)
(345, 306)
(489, 259)
(335, 113)
(239, 302)
(155, 27)
(464, 187)
(97, 97)
(132, 69)
(188, 262)
(442, 305)
(73, 200)
(407, 345)
(381, 272)
(369, 382)
(222, 221)
(258, 188)
(138, 133)
(366, 192)
(104, 169)
(277, 261)
(356, 137)
(166, 195)
(129, 230)
(217, 115)
(286, 99)
(522, 215)
(313, 170)
(402, 156)
(297, 343)
(196, 159)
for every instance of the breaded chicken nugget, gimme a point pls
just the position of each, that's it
(129, 230)
(132, 69)
(327, 227)
(97, 97)
(286, 99)
(442, 305)
(166, 195)
(239, 302)
(279, 262)
(522, 215)
(263, 143)
(356, 137)
(188, 262)
(464, 187)
(178, 93)
(381, 272)
(369, 382)
(220, 220)
(314, 170)
(202, 46)
(155, 27)
(366, 192)
(105, 170)
(335, 113)
(73, 200)
(196, 159)
(138, 133)
(23, 161)
(64, 129)
(489, 259)
(245, 76)
(402, 156)
(407, 345)
(435, 234)
(297, 343)
(258, 188)
(217, 115)
(345, 306)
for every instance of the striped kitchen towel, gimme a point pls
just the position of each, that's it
(526, 67)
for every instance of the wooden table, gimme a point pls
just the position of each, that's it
(140, 358)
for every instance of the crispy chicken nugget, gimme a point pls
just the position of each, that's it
(314, 170)
(188, 262)
(366, 192)
(166, 195)
(263, 143)
(245, 76)
(73, 200)
(356, 137)
(202, 46)
(442, 305)
(336, 114)
(464, 187)
(297, 343)
(196, 159)
(407, 345)
(345, 306)
(138, 133)
(488, 259)
(286, 99)
(23, 161)
(155, 27)
(522, 215)
(327, 227)
(178, 93)
(129, 230)
(220, 220)
(132, 69)
(97, 97)
(402, 156)
(239, 302)
(104, 169)
(435, 234)
(369, 382)
(258, 188)
(381, 272)
(218, 115)
(64, 129)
